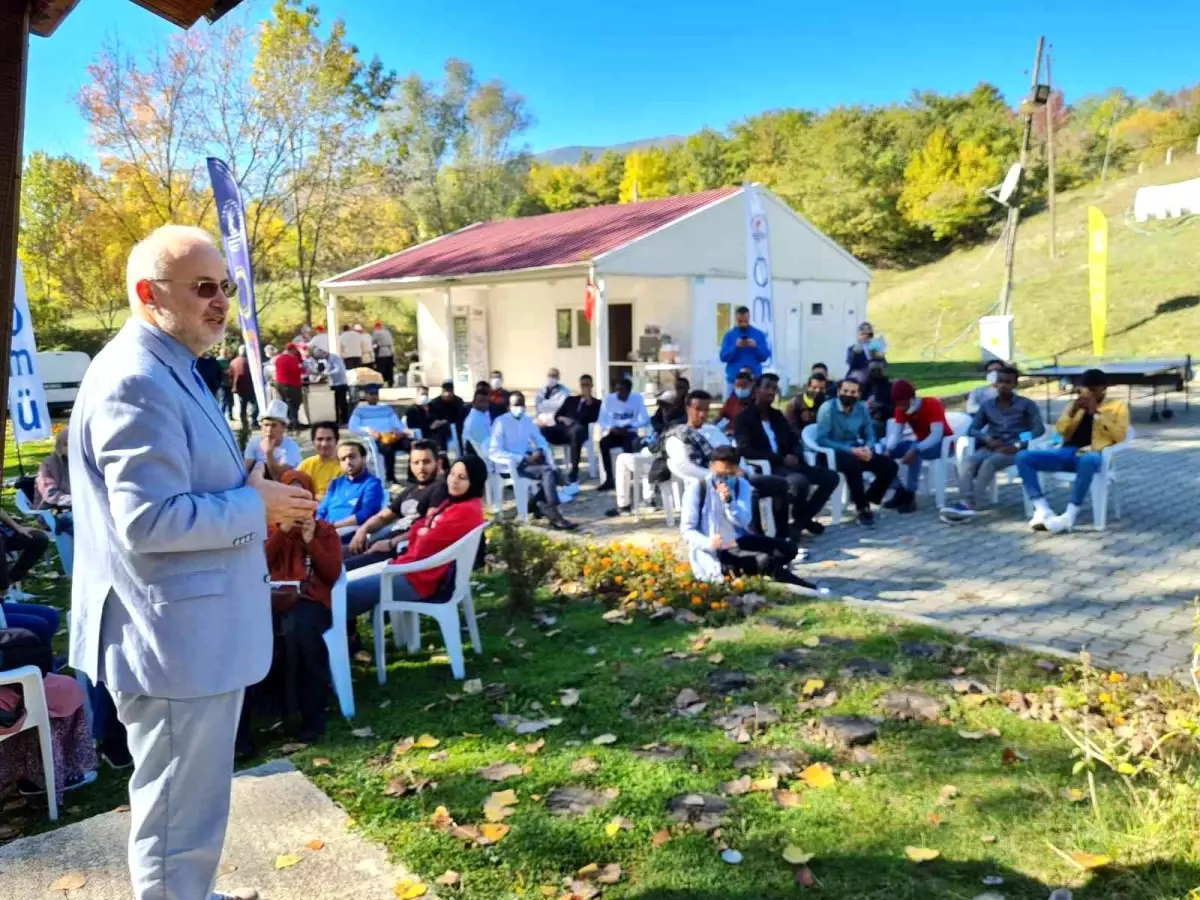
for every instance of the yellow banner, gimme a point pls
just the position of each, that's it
(1098, 276)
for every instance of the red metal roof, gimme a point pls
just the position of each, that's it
(534, 242)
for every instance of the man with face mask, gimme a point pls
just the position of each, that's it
(518, 446)
(499, 396)
(926, 416)
(743, 347)
(1001, 428)
(802, 410)
(573, 423)
(846, 428)
(983, 393)
(416, 417)
(739, 401)
(1091, 422)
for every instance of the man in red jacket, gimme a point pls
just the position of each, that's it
(926, 416)
(289, 378)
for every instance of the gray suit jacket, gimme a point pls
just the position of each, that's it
(170, 594)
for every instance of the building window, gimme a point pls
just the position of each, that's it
(816, 309)
(583, 329)
(563, 328)
(724, 319)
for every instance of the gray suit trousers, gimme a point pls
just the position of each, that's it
(179, 793)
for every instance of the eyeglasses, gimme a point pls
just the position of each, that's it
(205, 288)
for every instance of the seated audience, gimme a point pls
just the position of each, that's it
(355, 495)
(573, 423)
(519, 447)
(802, 410)
(497, 395)
(670, 412)
(1001, 427)
(819, 368)
(846, 428)
(740, 400)
(878, 394)
(549, 400)
(446, 413)
(308, 552)
(379, 423)
(73, 750)
(926, 416)
(477, 426)
(274, 449)
(52, 487)
(1089, 424)
(446, 523)
(621, 415)
(716, 523)
(324, 467)
(416, 417)
(763, 433)
(983, 393)
(389, 527)
(30, 545)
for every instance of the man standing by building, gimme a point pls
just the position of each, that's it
(174, 614)
(385, 352)
(743, 347)
(350, 347)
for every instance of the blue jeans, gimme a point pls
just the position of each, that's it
(913, 478)
(1061, 459)
(41, 620)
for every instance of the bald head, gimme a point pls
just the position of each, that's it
(173, 279)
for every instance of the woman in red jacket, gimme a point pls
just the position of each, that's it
(459, 514)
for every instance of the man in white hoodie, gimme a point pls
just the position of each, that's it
(621, 415)
(517, 443)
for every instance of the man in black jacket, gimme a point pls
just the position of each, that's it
(573, 422)
(763, 432)
(446, 414)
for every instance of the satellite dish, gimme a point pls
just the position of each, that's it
(1009, 186)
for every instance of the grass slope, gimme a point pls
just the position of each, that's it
(1153, 284)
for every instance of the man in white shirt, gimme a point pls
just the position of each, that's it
(549, 400)
(274, 449)
(335, 372)
(320, 339)
(518, 446)
(385, 352)
(367, 347)
(350, 347)
(378, 422)
(621, 415)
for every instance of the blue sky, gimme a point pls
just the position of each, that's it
(604, 73)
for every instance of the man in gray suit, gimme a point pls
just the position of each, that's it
(170, 604)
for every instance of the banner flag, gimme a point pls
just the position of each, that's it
(1098, 277)
(231, 213)
(26, 393)
(758, 267)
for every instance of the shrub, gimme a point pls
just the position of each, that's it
(528, 561)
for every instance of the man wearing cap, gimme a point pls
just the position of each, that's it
(274, 449)
(385, 352)
(378, 422)
(320, 340)
(446, 414)
(926, 416)
(289, 379)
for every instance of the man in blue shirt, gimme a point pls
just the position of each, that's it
(743, 347)
(378, 422)
(846, 428)
(354, 496)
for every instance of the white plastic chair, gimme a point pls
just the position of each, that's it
(336, 645)
(64, 542)
(502, 474)
(29, 678)
(405, 616)
(837, 502)
(1105, 483)
(766, 509)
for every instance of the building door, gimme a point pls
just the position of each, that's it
(620, 341)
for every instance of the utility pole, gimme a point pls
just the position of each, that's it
(1014, 209)
(1050, 154)
(1112, 125)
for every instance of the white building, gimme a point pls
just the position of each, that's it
(511, 295)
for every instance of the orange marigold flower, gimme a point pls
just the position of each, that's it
(1115, 677)
(696, 601)
(618, 579)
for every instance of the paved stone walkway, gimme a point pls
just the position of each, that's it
(276, 811)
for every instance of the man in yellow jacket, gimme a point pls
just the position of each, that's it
(1089, 424)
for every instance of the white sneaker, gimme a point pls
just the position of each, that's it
(1058, 524)
(1040, 519)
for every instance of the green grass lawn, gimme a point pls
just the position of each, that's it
(987, 812)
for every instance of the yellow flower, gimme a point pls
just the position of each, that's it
(1115, 677)
(618, 579)
(739, 585)
(606, 561)
(1106, 697)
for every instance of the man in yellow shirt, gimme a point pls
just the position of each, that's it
(324, 467)
(1089, 424)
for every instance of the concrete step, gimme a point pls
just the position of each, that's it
(276, 811)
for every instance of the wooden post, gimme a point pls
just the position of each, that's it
(1050, 155)
(1014, 210)
(14, 60)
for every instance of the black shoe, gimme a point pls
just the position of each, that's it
(116, 754)
(910, 506)
(558, 523)
(812, 526)
(866, 518)
(27, 788)
(900, 497)
(606, 486)
(618, 511)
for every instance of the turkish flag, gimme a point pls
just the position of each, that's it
(589, 301)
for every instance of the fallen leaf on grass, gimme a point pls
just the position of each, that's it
(660, 838)
(427, 742)
(921, 854)
(979, 735)
(619, 823)
(788, 799)
(364, 732)
(988, 838)
(716, 658)
(804, 877)
(409, 890)
(322, 762)
(610, 874)
(585, 765)
(315, 845)
(449, 878)
(289, 749)
(473, 686)
(569, 697)
(227, 869)
(934, 819)
(441, 819)
(499, 805)
(403, 746)
(535, 746)
(947, 793)
(1011, 757)
(397, 787)
(812, 686)
(603, 739)
(286, 860)
(769, 783)
(1090, 860)
(818, 775)
(500, 771)
(440, 756)
(72, 881)
(795, 855)
(737, 787)
(1074, 795)
(812, 641)
(492, 832)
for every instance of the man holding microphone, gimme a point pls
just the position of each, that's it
(171, 601)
